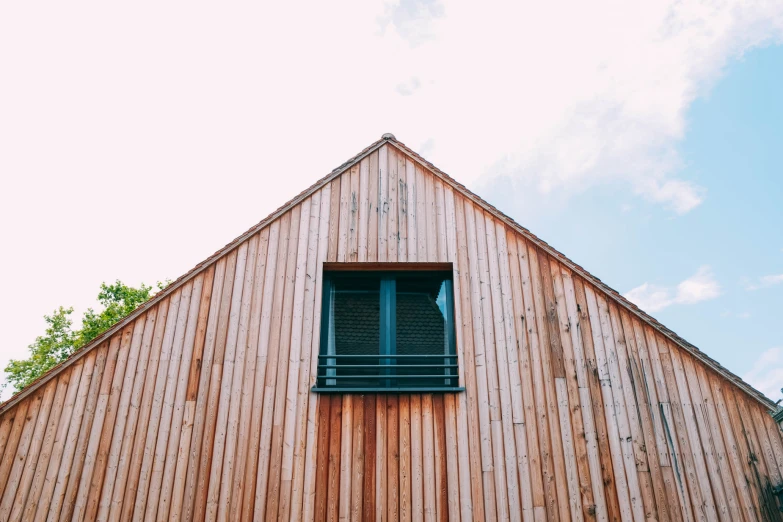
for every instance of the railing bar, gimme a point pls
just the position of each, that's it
(384, 376)
(379, 366)
(376, 356)
(391, 389)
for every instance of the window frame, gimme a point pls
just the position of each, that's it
(387, 274)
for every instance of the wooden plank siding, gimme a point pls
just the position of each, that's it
(576, 406)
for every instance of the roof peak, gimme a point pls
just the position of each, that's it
(388, 136)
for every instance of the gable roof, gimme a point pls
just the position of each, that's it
(391, 140)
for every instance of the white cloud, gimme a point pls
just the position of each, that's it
(426, 148)
(408, 87)
(701, 286)
(624, 105)
(680, 196)
(650, 298)
(767, 373)
(412, 19)
(765, 282)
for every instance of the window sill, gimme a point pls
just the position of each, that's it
(389, 390)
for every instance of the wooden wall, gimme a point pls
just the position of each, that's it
(200, 409)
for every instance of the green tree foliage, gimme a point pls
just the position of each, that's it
(55, 345)
(59, 340)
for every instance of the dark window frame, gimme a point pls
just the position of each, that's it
(391, 374)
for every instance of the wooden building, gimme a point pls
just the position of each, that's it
(389, 346)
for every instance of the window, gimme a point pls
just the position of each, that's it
(387, 331)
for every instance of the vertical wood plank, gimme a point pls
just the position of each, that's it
(261, 338)
(639, 395)
(80, 454)
(179, 405)
(357, 459)
(269, 353)
(429, 478)
(148, 355)
(26, 502)
(201, 477)
(22, 465)
(417, 460)
(6, 420)
(146, 449)
(441, 477)
(451, 474)
(675, 424)
(499, 348)
(353, 217)
(745, 451)
(322, 462)
(715, 440)
(236, 485)
(610, 406)
(402, 205)
(391, 481)
(456, 245)
(532, 311)
(334, 217)
(369, 488)
(373, 208)
(412, 246)
(585, 443)
(431, 222)
(480, 358)
(364, 209)
(230, 383)
(346, 459)
(308, 359)
(552, 367)
(711, 505)
(393, 233)
(383, 203)
(726, 424)
(194, 379)
(283, 344)
(335, 458)
(41, 508)
(112, 392)
(406, 505)
(422, 215)
(170, 414)
(440, 222)
(381, 467)
(291, 395)
(18, 421)
(592, 396)
(533, 499)
(313, 420)
(631, 425)
(71, 443)
(124, 412)
(511, 360)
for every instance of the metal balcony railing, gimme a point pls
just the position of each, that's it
(387, 373)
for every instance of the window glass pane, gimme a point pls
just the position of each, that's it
(421, 315)
(354, 330)
(356, 315)
(422, 327)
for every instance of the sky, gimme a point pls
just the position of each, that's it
(641, 139)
